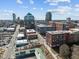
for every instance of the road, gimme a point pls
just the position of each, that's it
(43, 41)
(10, 53)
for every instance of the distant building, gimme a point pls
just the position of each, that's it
(69, 23)
(18, 20)
(21, 23)
(29, 21)
(48, 17)
(37, 22)
(42, 28)
(68, 20)
(14, 17)
(60, 26)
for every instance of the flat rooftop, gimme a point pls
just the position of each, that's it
(24, 41)
(43, 25)
(58, 32)
(74, 29)
(30, 57)
(64, 31)
(35, 53)
(30, 30)
(20, 35)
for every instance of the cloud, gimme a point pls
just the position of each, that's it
(77, 15)
(19, 1)
(50, 10)
(31, 1)
(64, 9)
(65, 1)
(34, 8)
(25, 7)
(61, 10)
(6, 14)
(56, 1)
(77, 5)
(77, 9)
(53, 4)
(8, 11)
(41, 8)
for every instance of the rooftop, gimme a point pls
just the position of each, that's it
(58, 32)
(30, 30)
(73, 30)
(24, 41)
(43, 25)
(20, 35)
(12, 29)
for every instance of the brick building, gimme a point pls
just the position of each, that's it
(58, 25)
(31, 34)
(56, 38)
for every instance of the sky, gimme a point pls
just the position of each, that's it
(60, 9)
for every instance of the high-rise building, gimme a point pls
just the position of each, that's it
(14, 17)
(29, 21)
(48, 17)
(68, 20)
(18, 20)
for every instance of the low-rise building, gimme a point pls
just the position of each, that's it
(74, 35)
(42, 28)
(56, 38)
(58, 25)
(20, 36)
(31, 34)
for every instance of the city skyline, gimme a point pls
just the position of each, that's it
(61, 9)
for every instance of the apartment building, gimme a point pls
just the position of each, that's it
(56, 38)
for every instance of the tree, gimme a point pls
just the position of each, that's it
(75, 52)
(64, 51)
